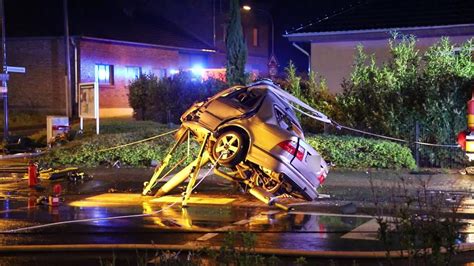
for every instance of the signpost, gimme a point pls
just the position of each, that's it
(273, 66)
(89, 102)
(15, 69)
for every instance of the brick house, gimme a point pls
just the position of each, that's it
(333, 39)
(115, 48)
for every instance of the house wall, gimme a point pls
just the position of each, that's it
(113, 99)
(42, 88)
(334, 60)
(255, 64)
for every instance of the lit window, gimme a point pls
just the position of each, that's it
(133, 72)
(105, 74)
(255, 37)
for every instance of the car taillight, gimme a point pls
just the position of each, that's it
(321, 179)
(290, 147)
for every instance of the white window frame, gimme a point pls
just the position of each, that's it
(107, 77)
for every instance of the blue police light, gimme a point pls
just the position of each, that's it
(173, 71)
(197, 70)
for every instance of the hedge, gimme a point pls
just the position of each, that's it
(85, 150)
(343, 151)
(358, 152)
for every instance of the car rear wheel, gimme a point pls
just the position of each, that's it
(229, 148)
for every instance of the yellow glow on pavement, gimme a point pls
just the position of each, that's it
(127, 199)
(194, 200)
(108, 199)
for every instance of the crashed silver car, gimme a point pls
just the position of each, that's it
(254, 137)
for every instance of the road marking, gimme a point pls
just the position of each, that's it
(242, 222)
(332, 214)
(207, 236)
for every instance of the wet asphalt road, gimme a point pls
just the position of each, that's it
(218, 208)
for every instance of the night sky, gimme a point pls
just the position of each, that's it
(293, 14)
(287, 14)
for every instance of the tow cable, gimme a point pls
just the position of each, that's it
(113, 217)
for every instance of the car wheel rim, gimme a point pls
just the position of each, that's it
(228, 146)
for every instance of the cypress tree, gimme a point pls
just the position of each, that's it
(236, 47)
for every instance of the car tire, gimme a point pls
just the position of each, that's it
(234, 144)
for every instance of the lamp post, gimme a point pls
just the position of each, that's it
(5, 72)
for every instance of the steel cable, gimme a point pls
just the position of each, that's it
(113, 217)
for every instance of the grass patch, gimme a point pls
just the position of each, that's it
(85, 149)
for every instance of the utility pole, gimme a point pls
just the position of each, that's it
(214, 23)
(5, 72)
(68, 59)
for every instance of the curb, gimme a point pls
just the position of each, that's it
(20, 155)
(397, 254)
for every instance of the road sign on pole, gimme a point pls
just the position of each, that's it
(15, 69)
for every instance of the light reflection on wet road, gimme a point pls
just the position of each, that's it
(205, 223)
(274, 228)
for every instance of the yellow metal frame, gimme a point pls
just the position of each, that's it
(163, 165)
(192, 171)
(200, 161)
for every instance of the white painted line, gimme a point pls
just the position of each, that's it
(225, 228)
(333, 214)
(365, 231)
(242, 222)
(207, 236)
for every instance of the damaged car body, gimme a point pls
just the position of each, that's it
(252, 135)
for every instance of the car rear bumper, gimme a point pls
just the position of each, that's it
(281, 165)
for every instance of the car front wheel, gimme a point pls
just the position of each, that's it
(229, 148)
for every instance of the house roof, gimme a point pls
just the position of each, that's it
(102, 19)
(391, 14)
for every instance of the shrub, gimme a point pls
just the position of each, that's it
(431, 88)
(313, 91)
(177, 93)
(141, 95)
(358, 152)
(164, 100)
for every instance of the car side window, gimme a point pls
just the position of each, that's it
(244, 98)
(285, 122)
(282, 119)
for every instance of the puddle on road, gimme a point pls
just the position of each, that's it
(273, 227)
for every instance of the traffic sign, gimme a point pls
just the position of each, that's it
(4, 76)
(15, 69)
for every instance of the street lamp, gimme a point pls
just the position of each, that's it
(248, 8)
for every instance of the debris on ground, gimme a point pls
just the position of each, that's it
(467, 171)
